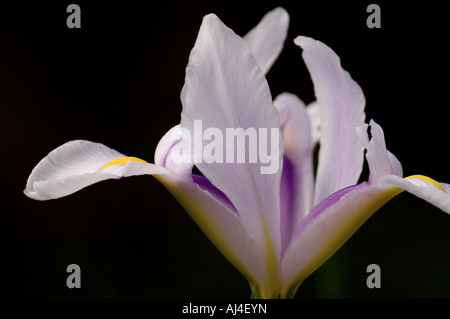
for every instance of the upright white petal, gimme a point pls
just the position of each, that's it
(225, 89)
(341, 106)
(266, 39)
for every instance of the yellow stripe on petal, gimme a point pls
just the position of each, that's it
(428, 179)
(123, 160)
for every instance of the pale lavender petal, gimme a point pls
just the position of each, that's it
(341, 105)
(73, 166)
(225, 88)
(266, 39)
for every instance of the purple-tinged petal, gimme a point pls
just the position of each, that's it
(288, 197)
(173, 153)
(225, 89)
(337, 218)
(221, 225)
(341, 107)
(297, 181)
(266, 39)
(327, 228)
(327, 202)
(209, 207)
(205, 184)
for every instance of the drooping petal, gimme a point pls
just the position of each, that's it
(78, 164)
(266, 39)
(209, 207)
(327, 228)
(297, 182)
(341, 106)
(221, 225)
(226, 92)
(423, 187)
(334, 220)
(337, 218)
(75, 165)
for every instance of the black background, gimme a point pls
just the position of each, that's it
(117, 81)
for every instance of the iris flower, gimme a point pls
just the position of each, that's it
(276, 229)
